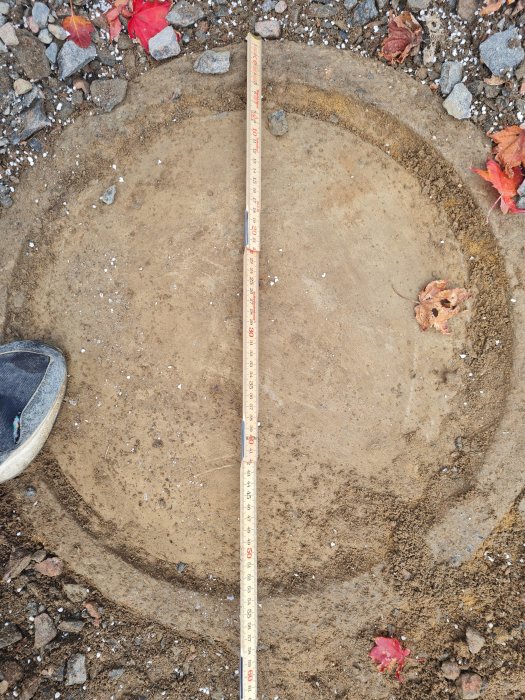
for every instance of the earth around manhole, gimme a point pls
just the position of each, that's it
(367, 454)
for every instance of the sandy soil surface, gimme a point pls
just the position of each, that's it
(381, 430)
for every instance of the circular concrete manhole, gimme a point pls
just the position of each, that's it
(143, 295)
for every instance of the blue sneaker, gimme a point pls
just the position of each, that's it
(32, 386)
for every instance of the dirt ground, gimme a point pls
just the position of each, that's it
(364, 448)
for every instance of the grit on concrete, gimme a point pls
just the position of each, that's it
(390, 470)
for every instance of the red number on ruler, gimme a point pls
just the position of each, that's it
(251, 332)
(250, 675)
(249, 553)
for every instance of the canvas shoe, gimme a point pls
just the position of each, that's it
(32, 386)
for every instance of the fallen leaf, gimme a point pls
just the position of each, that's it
(404, 37)
(437, 305)
(49, 567)
(506, 186)
(510, 149)
(389, 654)
(94, 613)
(492, 6)
(80, 29)
(120, 7)
(148, 18)
(494, 80)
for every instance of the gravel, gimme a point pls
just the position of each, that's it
(76, 672)
(9, 634)
(364, 13)
(469, 686)
(45, 630)
(268, 29)
(107, 94)
(458, 103)
(184, 14)
(8, 35)
(72, 58)
(475, 640)
(31, 121)
(109, 195)
(451, 670)
(277, 123)
(451, 74)
(40, 14)
(502, 52)
(213, 62)
(31, 57)
(164, 44)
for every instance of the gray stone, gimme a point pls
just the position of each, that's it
(469, 686)
(321, 11)
(268, 28)
(281, 7)
(58, 32)
(9, 634)
(451, 670)
(30, 122)
(364, 13)
(467, 9)
(268, 5)
(213, 62)
(458, 102)
(181, 567)
(71, 626)
(184, 14)
(451, 74)
(109, 195)
(44, 35)
(502, 52)
(164, 44)
(75, 592)
(115, 673)
(521, 205)
(45, 630)
(277, 123)
(3, 47)
(19, 560)
(521, 192)
(76, 672)
(4, 8)
(475, 640)
(418, 5)
(40, 14)
(31, 57)
(107, 94)
(8, 35)
(22, 86)
(51, 52)
(73, 58)
(6, 202)
(350, 4)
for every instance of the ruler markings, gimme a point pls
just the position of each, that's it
(250, 401)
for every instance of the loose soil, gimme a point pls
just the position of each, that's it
(370, 429)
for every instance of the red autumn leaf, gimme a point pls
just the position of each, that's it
(80, 29)
(404, 37)
(492, 6)
(506, 186)
(437, 305)
(113, 18)
(510, 149)
(148, 18)
(49, 567)
(389, 654)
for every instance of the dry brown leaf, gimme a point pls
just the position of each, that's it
(437, 305)
(17, 563)
(494, 80)
(49, 567)
(404, 37)
(510, 148)
(492, 6)
(93, 612)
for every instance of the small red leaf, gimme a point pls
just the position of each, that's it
(505, 185)
(148, 19)
(404, 37)
(80, 29)
(389, 654)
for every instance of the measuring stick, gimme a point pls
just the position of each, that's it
(250, 376)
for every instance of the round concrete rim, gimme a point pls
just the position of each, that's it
(372, 86)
